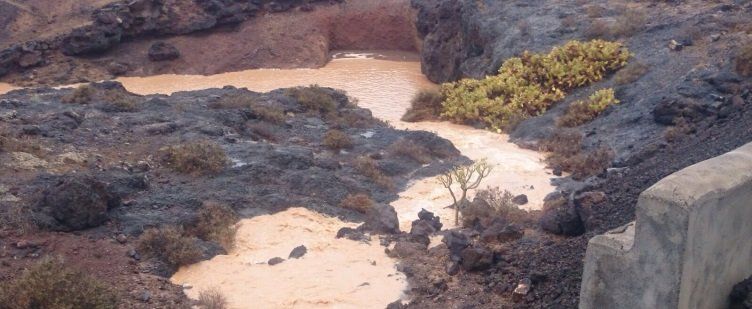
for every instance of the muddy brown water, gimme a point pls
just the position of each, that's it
(341, 273)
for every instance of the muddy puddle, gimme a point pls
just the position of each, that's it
(341, 273)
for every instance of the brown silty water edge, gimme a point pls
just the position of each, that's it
(341, 273)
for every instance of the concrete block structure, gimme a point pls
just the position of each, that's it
(690, 243)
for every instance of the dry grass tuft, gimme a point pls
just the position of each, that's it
(369, 168)
(171, 245)
(196, 158)
(409, 149)
(337, 140)
(359, 202)
(212, 299)
(216, 222)
(565, 152)
(314, 98)
(743, 61)
(51, 284)
(631, 73)
(83, 94)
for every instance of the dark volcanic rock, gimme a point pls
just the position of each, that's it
(298, 252)
(741, 295)
(382, 218)
(162, 51)
(476, 259)
(501, 231)
(520, 199)
(78, 201)
(275, 260)
(91, 39)
(456, 242)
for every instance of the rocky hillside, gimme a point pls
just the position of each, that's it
(98, 40)
(86, 171)
(685, 96)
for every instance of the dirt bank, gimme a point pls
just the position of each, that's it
(200, 42)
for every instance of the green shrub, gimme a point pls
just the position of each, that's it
(50, 284)
(369, 168)
(83, 94)
(196, 158)
(425, 105)
(337, 140)
(409, 149)
(171, 245)
(359, 202)
(744, 60)
(528, 85)
(582, 112)
(313, 98)
(216, 222)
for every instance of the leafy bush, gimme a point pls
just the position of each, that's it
(630, 73)
(528, 85)
(425, 105)
(83, 94)
(369, 168)
(196, 158)
(409, 149)
(582, 112)
(337, 140)
(744, 60)
(565, 152)
(313, 98)
(211, 299)
(50, 284)
(359, 202)
(216, 222)
(171, 245)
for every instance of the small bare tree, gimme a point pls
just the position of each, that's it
(468, 177)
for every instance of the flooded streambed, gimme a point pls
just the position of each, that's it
(341, 273)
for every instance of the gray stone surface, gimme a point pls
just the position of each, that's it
(689, 246)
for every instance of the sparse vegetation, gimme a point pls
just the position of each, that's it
(117, 101)
(528, 85)
(681, 128)
(83, 94)
(359, 202)
(212, 299)
(263, 130)
(409, 149)
(468, 177)
(369, 168)
(337, 140)
(499, 204)
(582, 112)
(196, 158)
(425, 105)
(171, 245)
(744, 60)
(51, 284)
(314, 98)
(499, 200)
(627, 24)
(216, 222)
(271, 114)
(17, 218)
(565, 152)
(630, 73)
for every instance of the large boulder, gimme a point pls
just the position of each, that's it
(561, 217)
(741, 295)
(501, 231)
(456, 242)
(382, 218)
(78, 202)
(162, 51)
(90, 40)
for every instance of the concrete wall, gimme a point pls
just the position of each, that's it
(690, 243)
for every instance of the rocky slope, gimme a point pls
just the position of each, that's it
(149, 37)
(86, 171)
(686, 105)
